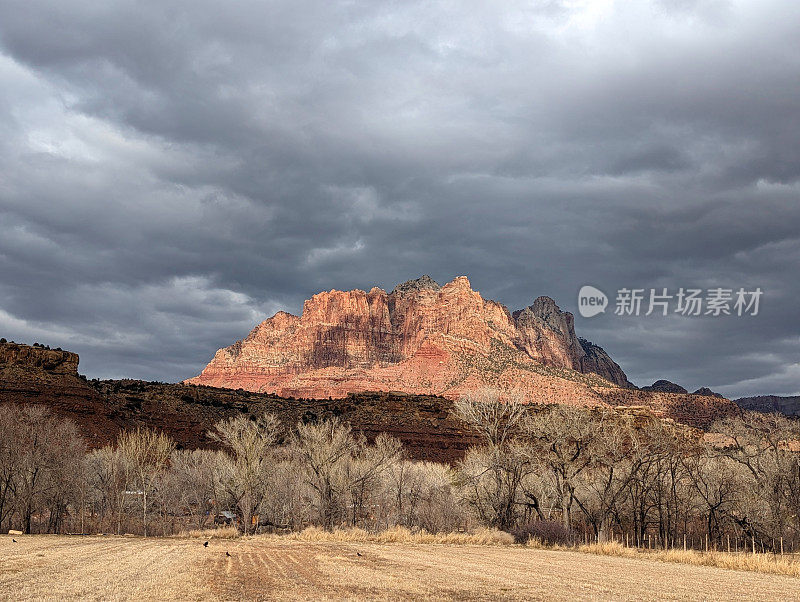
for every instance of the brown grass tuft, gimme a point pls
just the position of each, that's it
(398, 534)
(214, 533)
(742, 561)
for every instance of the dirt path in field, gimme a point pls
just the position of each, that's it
(98, 568)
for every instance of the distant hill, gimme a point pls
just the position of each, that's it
(788, 405)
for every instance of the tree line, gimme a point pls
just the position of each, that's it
(561, 473)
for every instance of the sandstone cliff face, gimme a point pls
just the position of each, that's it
(420, 338)
(426, 339)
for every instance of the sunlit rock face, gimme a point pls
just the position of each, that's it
(419, 338)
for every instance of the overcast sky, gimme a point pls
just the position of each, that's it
(173, 172)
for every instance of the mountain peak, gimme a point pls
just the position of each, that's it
(424, 282)
(665, 386)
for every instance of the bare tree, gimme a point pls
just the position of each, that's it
(761, 444)
(48, 450)
(496, 416)
(65, 473)
(146, 455)
(192, 482)
(491, 474)
(717, 480)
(243, 470)
(323, 451)
(423, 495)
(105, 476)
(364, 470)
(600, 488)
(338, 466)
(562, 440)
(9, 459)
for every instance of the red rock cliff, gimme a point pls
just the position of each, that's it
(420, 338)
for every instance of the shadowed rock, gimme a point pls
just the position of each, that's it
(665, 386)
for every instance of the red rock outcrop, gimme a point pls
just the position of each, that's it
(37, 375)
(420, 338)
(55, 361)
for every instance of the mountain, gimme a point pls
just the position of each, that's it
(420, 338)
(426, 339)
(788, 405)
(595, 359)
(35, 374)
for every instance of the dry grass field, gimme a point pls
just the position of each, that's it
(117, 568)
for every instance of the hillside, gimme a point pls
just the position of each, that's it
(424, 423)
(101, 408)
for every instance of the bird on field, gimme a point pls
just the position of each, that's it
(14, 540)
(359, 553)
(205, 545)
(228, 554)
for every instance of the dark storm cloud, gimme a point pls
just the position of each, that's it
(173, 172)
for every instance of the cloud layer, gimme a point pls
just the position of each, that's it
(173, 172)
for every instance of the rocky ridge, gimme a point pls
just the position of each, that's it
(424, 423)
(665, 386)
(788, 405)
(102, 408)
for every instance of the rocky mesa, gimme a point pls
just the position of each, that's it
(421, 338)
(427, 339)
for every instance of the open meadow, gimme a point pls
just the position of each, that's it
(119, 568)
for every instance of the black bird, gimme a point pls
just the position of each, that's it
(228, 554)
(14, 540)
(205, 545)
(359, 553)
